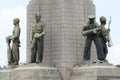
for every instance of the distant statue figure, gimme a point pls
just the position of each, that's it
(90, 30)
(104, 33)
(13, 52)
(38, 32)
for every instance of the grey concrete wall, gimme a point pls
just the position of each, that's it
(5, 74)
(64, 19)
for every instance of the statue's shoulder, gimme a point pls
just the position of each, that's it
(42, 23)
(95, 23)
(17, 28)
(87, 24)
(33, 25)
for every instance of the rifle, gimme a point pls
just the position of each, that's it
(9, 50)
(84, 33)
(108, 37)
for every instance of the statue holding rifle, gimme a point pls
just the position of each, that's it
(38, 32)
(105, 35)
(90, 30)
(13, 52)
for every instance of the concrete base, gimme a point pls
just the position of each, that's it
(95, 71)
(5, 74)
(31, 72)
(90, 70)
(36, 72)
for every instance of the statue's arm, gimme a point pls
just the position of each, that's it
(16, 34)
(33, 31)
(96, 25)
(44, 29)
(32, 35)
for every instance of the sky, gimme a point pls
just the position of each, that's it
(17, 8)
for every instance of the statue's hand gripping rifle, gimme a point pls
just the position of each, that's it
(95, 30)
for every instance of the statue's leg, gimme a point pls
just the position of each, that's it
(15, 51)
(105, 49)
(40, 45)
(99, 48)
(33, 51)
(87, 48)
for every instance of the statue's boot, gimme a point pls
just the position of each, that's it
(16, 63)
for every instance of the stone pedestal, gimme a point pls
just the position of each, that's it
(31, 72)
(95, 71)
(35, 72)
(5, 74)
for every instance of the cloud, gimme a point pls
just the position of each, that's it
(19, 11)
(6, 20)
(114, 54)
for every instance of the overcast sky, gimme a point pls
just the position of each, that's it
(10, 9)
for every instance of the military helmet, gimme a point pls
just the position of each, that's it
(102, 18)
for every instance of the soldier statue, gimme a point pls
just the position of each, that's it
(90, 30)
(13, 52)
(37, 40)
(104, 33)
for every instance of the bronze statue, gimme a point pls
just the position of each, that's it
(38, 32)
(13, 52)
(90, 30)
(104, 33)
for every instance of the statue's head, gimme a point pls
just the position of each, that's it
(103, 20)
(16, 21)
(91, 19)
(37, 16)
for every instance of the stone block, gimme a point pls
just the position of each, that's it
(95, 71)
(35, 72)
(5, 74)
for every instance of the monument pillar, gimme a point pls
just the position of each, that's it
(64, 19)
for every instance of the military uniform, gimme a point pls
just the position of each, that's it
(103, 34)
(16, 44)
(13, 53)
(92, 37)
(37, 42)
